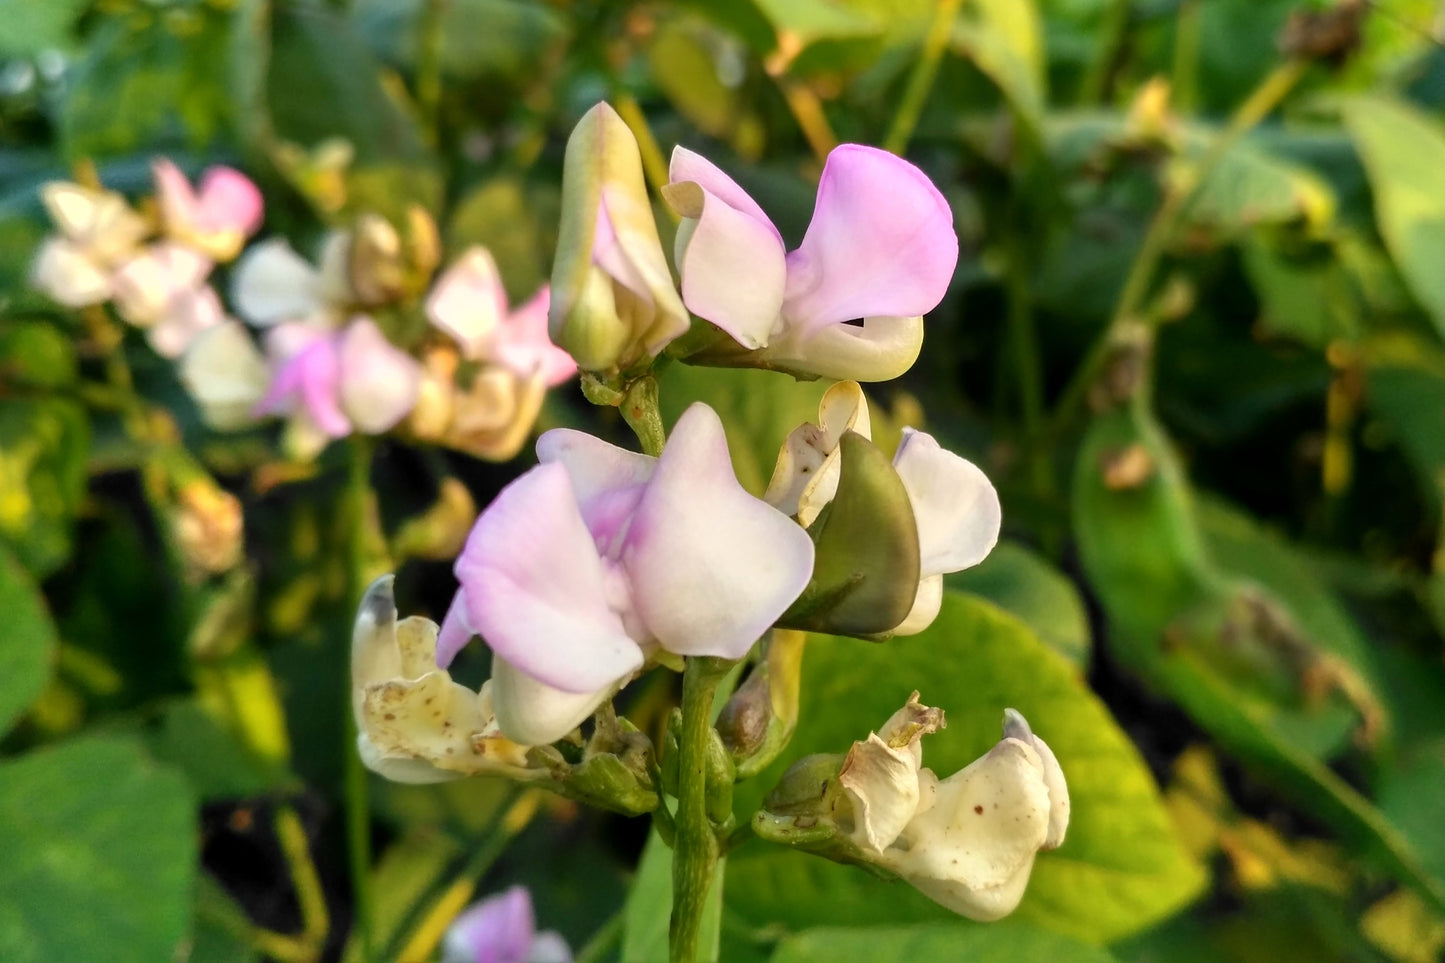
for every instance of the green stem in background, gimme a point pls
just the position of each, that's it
(654, 165)
(695, 850)
(608, 935)
(1178, 197)
(358, 813)
(430, 38)
(1024, 342)
(641, 412)
(315, 920)
(1185, 76)
(920, 81)
(1097, 83)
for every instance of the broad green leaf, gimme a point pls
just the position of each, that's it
(1404, 152)
(100, 855)
(479, 38)
(31, 28)
(1407, 393)
(1308, 300)
(1003, 942)
(649, 908)
(217, 763)
(809, 21)
(1121, 867)
(221, 927)
(1004, 40)
(27, 644)
(1021, 582)
(1252, 186)
(36, 355)
(43, 446)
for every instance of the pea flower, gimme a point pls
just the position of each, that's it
(272, 283)
(880, 248)
(226, 374)
(599, 557)
(97, 231)
(413, 723)
(613, 299)
(968, 841)
(163, 290)
(331, 383)
(956, 508)
(502, 929)
(217, 218)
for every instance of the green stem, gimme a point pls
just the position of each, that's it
(1177, 200)
(920, 81)
(1023, 338)
(1097, 82)
(1185, 73)
(641, 412)
(358, 816)
(315, 920)
(429, 66)
(695, 850)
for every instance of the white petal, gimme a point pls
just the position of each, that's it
(99, 222)
(187, 315)
(535, 714)
(882, 784)
(881, 349)
(805, 478)
(592, 464)
(468, 302)
(1017, 727)
(956, 506)
(68, 275)
(926, 605)
(226, 374)
(273, 283)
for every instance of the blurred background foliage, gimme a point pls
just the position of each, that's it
(1195, 338)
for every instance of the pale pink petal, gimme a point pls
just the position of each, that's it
(689, 166)
(711, 566)
(881, 243)
(524, 346)
(496, 930)
(956, 506)
(593, 466)
(469, 302)
(147, 284)
(308, 381)
(532, 713)
(230, 201)
(378, 382)
(536, 591)
(179, 205)
(187, 315)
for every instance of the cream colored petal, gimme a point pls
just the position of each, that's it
(880, 349)
(882, 784)
(70, 276)
(226, 374)
(805, 478)
(926, 605)
(1017, 727)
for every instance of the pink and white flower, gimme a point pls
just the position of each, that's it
(163, 290)
(880, 248)
(97, 231)
(215, 219)
(593, 561)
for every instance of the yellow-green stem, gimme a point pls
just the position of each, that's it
(358, 814)
(920, 81)
(695, 849)
(654, 165)
(430, 38)
(640, 410)
(315, 920)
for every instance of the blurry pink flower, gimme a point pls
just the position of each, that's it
(470, 304)
(163, 290)
(217, 218)
(598, 557)
(880, 247)
(502, 929)
(97, 230)
(334, 382)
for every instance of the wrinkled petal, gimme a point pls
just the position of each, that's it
(882, 784)
(880, 349)
(378, 382)
(524, 346)
(881, 243)
(926, 606)
(226, 374)
(469, 302)
(711, 566)
(730, 256)
(497, 930)
(100, 223)
(536, 590)
(957, 508)
(536, 714)
(273, 283)
(494, 417)
(188, 314)
(69, 276)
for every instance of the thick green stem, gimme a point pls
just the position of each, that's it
(1098, 82)
(1023, 339)
(920, 81)
(358, 813)
(429, 66)
(695, 850)
(640, 411)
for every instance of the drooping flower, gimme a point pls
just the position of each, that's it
(333, 382)
(97, 231)
(613, 299)
(162, 290)
(956, 508)
(217, 218)
(968, 841)
(880, 248)
(502, 929)
(413, 723)
(592, 561)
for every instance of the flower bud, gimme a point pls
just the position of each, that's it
(758, 721)
(614, 303)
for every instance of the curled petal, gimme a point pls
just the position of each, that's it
(536, 714)
(594, 466)
(806, 476)
(880, 349)
(957, 508)
(712, 567)
(493, 418)
(377, 381)
(469, 302)
(1015, 726)
(69, 276)
(882, 784)
(687, 165)
(273, 283)
(226, 374)
(535, 588)
(881, 243)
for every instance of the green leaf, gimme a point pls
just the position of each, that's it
(812, 20)
(100, 855)
(1020, 581)
(1404, 153)
(28, 643)
(43, 446)
(35, 354)
(217, 763)
(31, 28)
(649, 908)
(1407, 393)
(480, 38)
(1004, 40)
(1004, 942)
(1306, 299)
(1252, 186)
(1121, 867)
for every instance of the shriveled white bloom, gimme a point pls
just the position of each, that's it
(413, 723)
(805, 478)
(969, 841)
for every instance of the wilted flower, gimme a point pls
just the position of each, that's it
(413, 723)
(162, 290)
(491, 417)
(217, 218)
(968, 841)
(333, 382)
(613, 299)
(502, 929)
(880, 248)
(592, 561)
(955, 507)
(98, 230)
